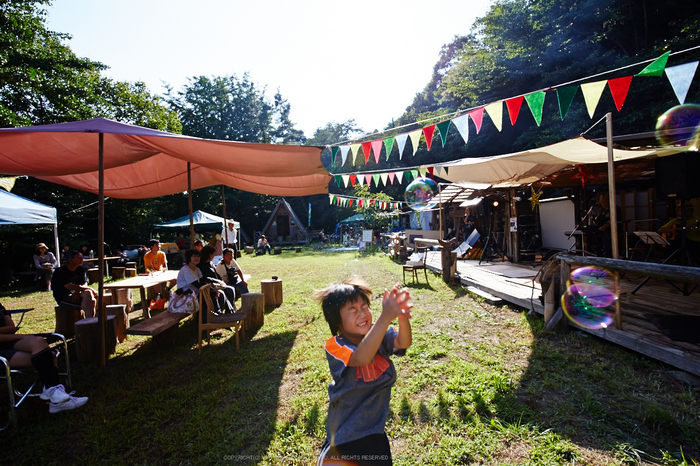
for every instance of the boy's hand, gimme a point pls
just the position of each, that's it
(396, 303)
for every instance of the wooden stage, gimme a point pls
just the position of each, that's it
(655, 321)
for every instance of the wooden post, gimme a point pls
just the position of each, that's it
(272, 289)
(66, 317)
(253, 304)
(449, 260)
(123, 296)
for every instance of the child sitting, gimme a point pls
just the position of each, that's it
(363, 373)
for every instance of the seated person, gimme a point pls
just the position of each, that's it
(672, 231)
(70, 288)
(155, 259)
(231, 273)
(190, 280)
(263, 245)
(33, 351)
(209, 274)
(45, 263)
(64, 251)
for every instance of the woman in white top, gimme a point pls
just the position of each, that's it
(189, 276)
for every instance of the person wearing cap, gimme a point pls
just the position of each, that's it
(70, 288)
(229, 236)
(45, 263)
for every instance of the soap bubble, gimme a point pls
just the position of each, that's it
(419, 193)
(590, 298)
(678, 126)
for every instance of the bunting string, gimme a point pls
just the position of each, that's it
(351, 201)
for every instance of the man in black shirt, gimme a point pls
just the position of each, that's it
(70, 286)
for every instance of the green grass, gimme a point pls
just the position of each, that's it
(480, 385)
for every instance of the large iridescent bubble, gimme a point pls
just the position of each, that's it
(419, 193)
(590, 297)
(678, 127)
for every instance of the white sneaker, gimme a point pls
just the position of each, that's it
(72, 403)
(55, 394)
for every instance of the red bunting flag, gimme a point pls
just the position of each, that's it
(514, 105)
(619, 88)
(428, 132)
(353, 178)
(477, 116)
(366, 146)
(430, 170)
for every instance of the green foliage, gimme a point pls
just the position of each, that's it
(334, 133)
(375, 218)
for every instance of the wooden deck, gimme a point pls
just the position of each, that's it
(655, 319)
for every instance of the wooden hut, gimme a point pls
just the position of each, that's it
(284, 227)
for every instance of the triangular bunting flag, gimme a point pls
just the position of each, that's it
(438, 170)
(376, 148)
(495, 111)
(343, 154)
(334, 152)
(477, 117)
(680, 78)
(414, 174)
(388, 144)
(443, 127)
(366, 147)
(462, 125)
(399, 177)
(428, 131)
(360, 202)
(535, 101)
(384, 177)
(338, 180)
(350, 202)
(407, 175)
(368, 179)
(354, 149)
(391, 176)
(514, 105)
(446, 172)
(618, 89)
(415, 139)
(422, 171)
(591, 94)
(375, 177)
(565, 95)
(346, 179)
(353, 178)
(401, 140)
(430, 170)
(656, 68)
(361, 180)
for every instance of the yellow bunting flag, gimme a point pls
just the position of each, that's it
(495, 111)
(354, 149)
(591, 94)
(415, 139)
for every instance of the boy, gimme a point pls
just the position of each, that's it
(359, 360)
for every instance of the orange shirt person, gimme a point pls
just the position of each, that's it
(155, 260)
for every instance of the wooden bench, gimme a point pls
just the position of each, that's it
(162, 327)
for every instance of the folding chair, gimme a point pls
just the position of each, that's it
(17, 397)
(233, 321)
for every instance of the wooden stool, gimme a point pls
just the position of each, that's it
(66, 317)
(297, 249)
(131, 272)
(253, 304)
(87, 339)
(278, 250)
(238, 253)
(249, 250)
(272, 289)
(123, 296)
(93, 275)
(131, 265)
(121, 318)
(118, 272)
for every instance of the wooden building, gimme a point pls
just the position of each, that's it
(284, 227)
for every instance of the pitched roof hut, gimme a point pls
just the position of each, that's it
(284, 227)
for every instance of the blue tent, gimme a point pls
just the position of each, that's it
(16, 210)
(202, 222)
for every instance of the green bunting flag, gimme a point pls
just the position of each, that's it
(375, 177)
(443, 127)
(656, 68)
(565, 95)
(388, 144)
(334, 152)
(338, 180)
(536, 101)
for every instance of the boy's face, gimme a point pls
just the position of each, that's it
(356, 319)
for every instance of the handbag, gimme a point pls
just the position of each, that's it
(183, 302)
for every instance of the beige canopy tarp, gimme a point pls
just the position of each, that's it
(142, 163)
(528, 166)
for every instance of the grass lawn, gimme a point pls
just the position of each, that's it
(480, 385)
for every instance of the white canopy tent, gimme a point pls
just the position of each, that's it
(17, 210)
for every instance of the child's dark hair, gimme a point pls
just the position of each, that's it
(334, 297)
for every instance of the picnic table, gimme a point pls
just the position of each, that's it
(94, 260)
(142, 283)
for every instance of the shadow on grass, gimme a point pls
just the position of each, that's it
(168, 405)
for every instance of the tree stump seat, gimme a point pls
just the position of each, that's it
(272, 289)
(66, 317)
(118, 272)
(253, 304)
(87, 339)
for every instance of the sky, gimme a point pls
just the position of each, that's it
(333, 61)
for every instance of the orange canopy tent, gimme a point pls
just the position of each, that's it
(131, 162)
